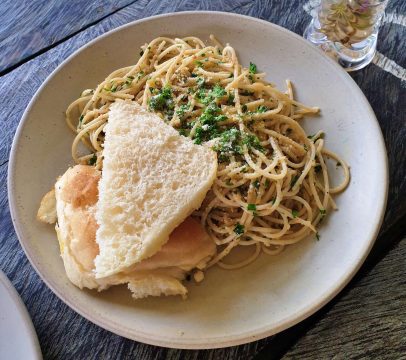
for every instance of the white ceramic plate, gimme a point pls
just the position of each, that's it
(18, 339)
(229, 307)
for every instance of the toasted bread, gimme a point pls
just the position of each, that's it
(153, 178)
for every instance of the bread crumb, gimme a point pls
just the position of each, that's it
(198, 276)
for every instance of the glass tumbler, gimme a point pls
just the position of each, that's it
(347, 30)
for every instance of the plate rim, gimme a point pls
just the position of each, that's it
(243, 337)
(23, 312)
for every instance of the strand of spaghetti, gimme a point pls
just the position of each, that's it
(92, 125)
(346, 170)
(243, 263)
(223, 253)
(278, 250)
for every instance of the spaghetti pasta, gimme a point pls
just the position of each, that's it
(272, 187)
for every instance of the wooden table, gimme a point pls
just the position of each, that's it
(366, 320)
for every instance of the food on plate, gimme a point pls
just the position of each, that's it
(152, 179)
(78, 203)
(152, 130)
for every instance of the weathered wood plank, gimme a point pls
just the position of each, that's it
(29, 26)
(371, 316)
(52, 318)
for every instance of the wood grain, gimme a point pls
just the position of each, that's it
(372, 316)
(28, 26)
(65, 335)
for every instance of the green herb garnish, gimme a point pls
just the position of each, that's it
(251, 207)
(247, 93)
(293, 181)
(295, 213)
(92, 160)
(256, 184)
(200, 82)
(218, 91)
(229, 143)
(230, 100)
(252, 141)
(180, 111)
(252, 68)
(316, 137)
(129, 80)
(262, 109)
(162, 101)
(239, 229)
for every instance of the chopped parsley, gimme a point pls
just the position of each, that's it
(305, 147)
(230, 100)
(256, 184)
(316, 137)
(267, 183)
(247, 93)
(92, 160)
(141, 52)
(294, 181)
(317, 236)
(229, 143)
(244, 108)
(162, 101)
(218, 91)
(338, 164)
(251, 207)
(113, 87)
(252, 68)
(317, 168)
(295, 213)
(207, 97)
(182, 132)
(252, 142)
(80, 120)
(200, 82)
(199, 63)
(323, 212)
(262, 109)
(180, 111)
(129, 80)
(208, 128)
(239, 229)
